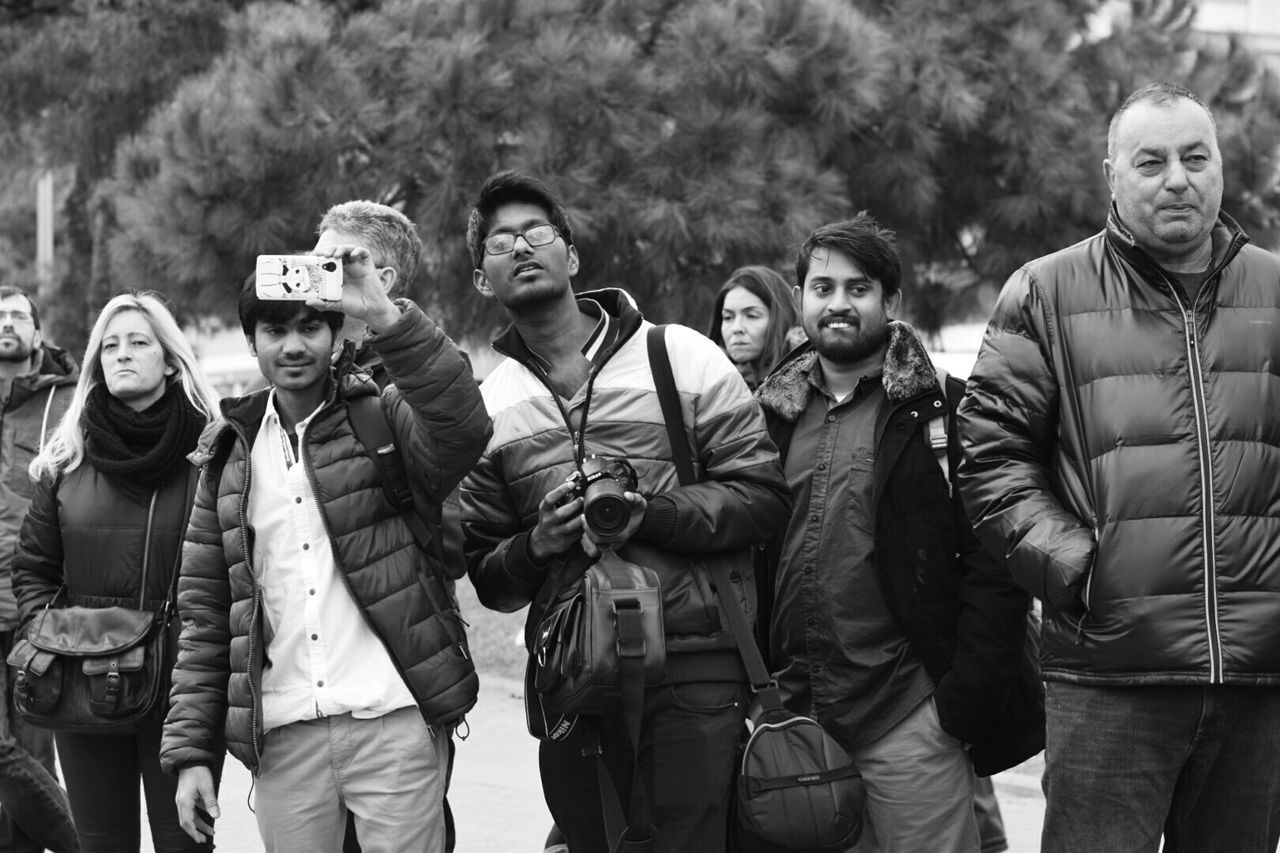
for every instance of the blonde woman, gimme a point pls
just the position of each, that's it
(111, 490)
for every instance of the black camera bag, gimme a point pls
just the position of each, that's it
(605, 624)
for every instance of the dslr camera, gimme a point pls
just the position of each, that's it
(600, 482)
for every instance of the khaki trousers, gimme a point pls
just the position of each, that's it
(387, 771)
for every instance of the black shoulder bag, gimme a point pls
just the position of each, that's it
(796, 789)
(97, 670)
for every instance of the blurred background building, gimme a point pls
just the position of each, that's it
(1257, 22)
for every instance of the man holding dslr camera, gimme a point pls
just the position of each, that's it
(576, 383)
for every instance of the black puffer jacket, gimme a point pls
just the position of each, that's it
(90, 532)
(961, 612)
(441, 428)
(1122, 448)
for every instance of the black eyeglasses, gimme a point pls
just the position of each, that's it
(535, 236)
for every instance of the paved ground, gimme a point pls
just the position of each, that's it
(498, 802)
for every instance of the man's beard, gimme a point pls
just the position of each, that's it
(867, 339)
(20, 352)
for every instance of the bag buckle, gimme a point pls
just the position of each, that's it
(628, 615)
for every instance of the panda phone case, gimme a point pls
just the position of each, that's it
(298, 277)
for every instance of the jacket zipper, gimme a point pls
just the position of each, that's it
(1206, 490)
(305, 458)
(253, 614)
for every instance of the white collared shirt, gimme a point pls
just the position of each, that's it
(323, 658)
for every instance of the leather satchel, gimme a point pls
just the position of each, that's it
(91, 669)
(609, 620)
(96, 670)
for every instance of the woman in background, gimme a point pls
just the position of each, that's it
(112, 491)
(755, 321)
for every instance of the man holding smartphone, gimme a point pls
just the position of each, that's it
(318, 639)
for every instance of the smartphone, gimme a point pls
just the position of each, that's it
(298, 277)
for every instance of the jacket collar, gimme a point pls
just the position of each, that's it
(908, 373)
(617, 302)
(56, 367)
(1227, 236)
(247, 412)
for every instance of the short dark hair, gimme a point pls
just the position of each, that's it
(509, 187)
(1158, 93)
(863, 240)
(13, 290)
(390, 235)
(254, 310)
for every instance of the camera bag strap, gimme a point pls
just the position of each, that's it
(765, 688)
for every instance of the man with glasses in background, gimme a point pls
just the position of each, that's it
(36, 383)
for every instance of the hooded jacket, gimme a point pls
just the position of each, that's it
(441, 427)
(741, 496)
(34, 409)
(1120, 448)
(962, 614)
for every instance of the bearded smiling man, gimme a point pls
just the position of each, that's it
(892, 626)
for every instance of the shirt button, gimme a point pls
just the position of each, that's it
(311, 592)
(319, 684)
(315, 636)
(831, 419)
(822, 466)
(816, 669)
(306, 546)
(297, 500)
(813, 517)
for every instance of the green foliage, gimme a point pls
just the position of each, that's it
(668, 183)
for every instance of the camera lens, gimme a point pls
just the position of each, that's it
(607, 513)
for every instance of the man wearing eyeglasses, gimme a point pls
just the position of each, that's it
(576, 382)
(36, 382)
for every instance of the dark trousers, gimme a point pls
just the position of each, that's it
(1196, 764)
(102, 773)
(36, 816)
(688, 741)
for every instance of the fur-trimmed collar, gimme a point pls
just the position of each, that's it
(908, 373)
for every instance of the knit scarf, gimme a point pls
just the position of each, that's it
(143, 447)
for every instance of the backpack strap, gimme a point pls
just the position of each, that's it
(936, 431)
(373, 430)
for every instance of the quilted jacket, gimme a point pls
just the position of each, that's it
(1122, 449)
(441, 427)
(740, 500)
(962, 614)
